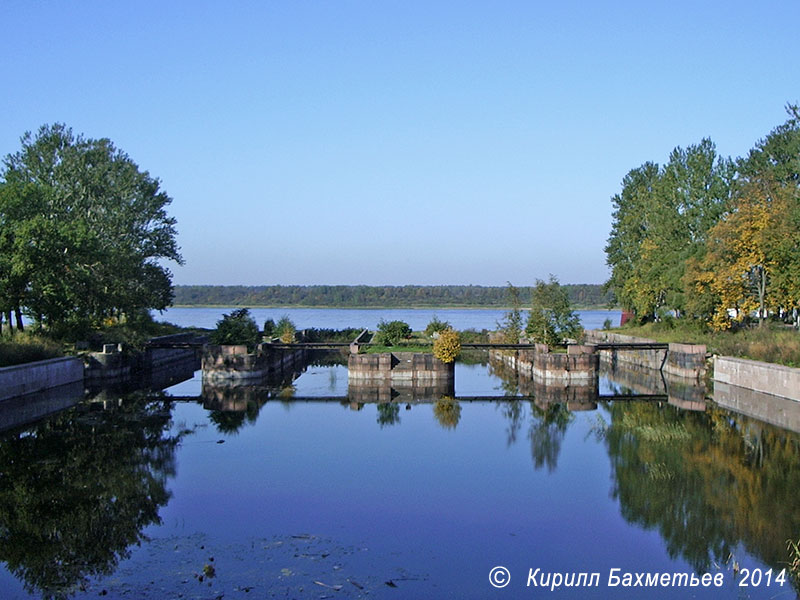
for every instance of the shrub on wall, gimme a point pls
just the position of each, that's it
(236, 328)
(390, 333)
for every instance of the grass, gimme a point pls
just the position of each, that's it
(25, 347)
(773, 343)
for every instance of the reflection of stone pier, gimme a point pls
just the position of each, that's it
(364, 391)
(681, 392)
(398, 377)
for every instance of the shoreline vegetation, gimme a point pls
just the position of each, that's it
(774, 343)
(439, 297)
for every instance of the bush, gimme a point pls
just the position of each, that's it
(235, 329)
(447, 346)
(390, 334)
(269, 328)
(436, 326)
(285, 329)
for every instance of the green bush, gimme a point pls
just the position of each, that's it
(436, 326)
(390, 334)
(236, 328)
(285, 329)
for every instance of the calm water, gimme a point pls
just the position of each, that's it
(142, 495)
(342, 318)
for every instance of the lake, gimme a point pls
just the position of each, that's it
(343, 318)
(172, 494)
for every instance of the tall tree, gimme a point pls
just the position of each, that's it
(92, 231)
(551, 319)
(631, 223)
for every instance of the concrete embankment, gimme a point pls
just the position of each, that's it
(30, 378)
(680, 360)
(768, 378)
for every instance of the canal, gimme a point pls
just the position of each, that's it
(203, 492)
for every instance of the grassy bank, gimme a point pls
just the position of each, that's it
(772, 343)
(25, 347)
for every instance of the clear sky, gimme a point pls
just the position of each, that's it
(397, 142)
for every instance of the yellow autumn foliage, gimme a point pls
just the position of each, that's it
(447, 346)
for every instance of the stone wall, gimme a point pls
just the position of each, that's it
(30, 378)
(681, 360)
(399, 367)
(759, 376)
(235, 363)
(576, 367)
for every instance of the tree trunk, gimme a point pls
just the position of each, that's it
(10, 324)
(762, 292)
(20, 325)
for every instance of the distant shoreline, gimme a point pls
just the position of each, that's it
(373, 307)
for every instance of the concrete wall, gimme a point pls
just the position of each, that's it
(398, 367)
(577, 367)
(759, 376)
(681, 360)
(30, 378)
(234, 363)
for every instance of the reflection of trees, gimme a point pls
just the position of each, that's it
(231, 421)
(388, 414)
(447, 411)
(509, 378)
(76, 491)
(546, 428)
(547, 432)
(707, 481)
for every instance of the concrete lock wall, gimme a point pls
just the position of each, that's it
(759, 376)
(578, 366)
(407, 367)
(227, 363)
(681, 360)
(30, 378)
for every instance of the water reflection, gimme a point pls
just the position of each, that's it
(447, 411)
(707, 482)
(77, 490)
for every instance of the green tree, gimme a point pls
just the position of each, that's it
(89, 229)
(390, 333)
(551, 319)
(511, 325)
(436, 326)
(236, 328)
(285, 329)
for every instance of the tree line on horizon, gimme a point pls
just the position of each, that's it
(709, 238)
(364, 296)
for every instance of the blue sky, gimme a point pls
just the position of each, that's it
(397, 142)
